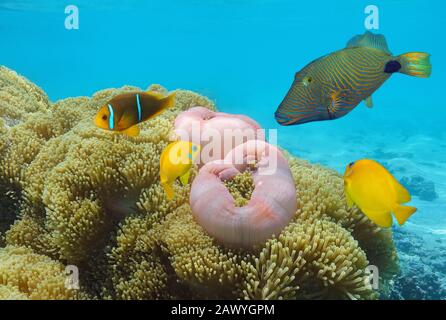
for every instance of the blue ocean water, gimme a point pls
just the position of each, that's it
(243, 54)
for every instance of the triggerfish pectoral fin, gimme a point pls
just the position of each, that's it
(402, 213)
(340, 103)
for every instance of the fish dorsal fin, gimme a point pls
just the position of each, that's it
(369, 102)
(368, 39)
(155, 94)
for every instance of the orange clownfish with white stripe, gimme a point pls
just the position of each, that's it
(124, 112)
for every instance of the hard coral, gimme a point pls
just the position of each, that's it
(74, 194)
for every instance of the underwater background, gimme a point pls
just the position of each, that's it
(243, 55)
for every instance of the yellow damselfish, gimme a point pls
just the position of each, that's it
(175, 162)
(376, 192)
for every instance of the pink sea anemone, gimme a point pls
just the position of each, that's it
(216, 132)
(272, 205)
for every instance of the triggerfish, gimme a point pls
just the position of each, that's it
(123, 113)
(331, 86)
(376, 192)
(175, 162)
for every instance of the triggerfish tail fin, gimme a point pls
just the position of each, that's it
(402, 213)
(416, 64)
(168, 188)
(132, 131)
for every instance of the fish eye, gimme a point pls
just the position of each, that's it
(307, 81)
(351, 164)
(104, 117)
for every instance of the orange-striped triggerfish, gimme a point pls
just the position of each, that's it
(124, 112)
(331, 86)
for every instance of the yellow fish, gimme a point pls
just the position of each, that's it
(176, 161)
(376, 192)
(124, 112)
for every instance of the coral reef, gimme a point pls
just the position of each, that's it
(27, 275)
(75, 194)
(422, 258)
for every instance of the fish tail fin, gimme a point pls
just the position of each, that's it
(402, 213)
(415, 64)
(168, 189)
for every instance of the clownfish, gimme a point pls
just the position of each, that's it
(123, 113)
(376, 192)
